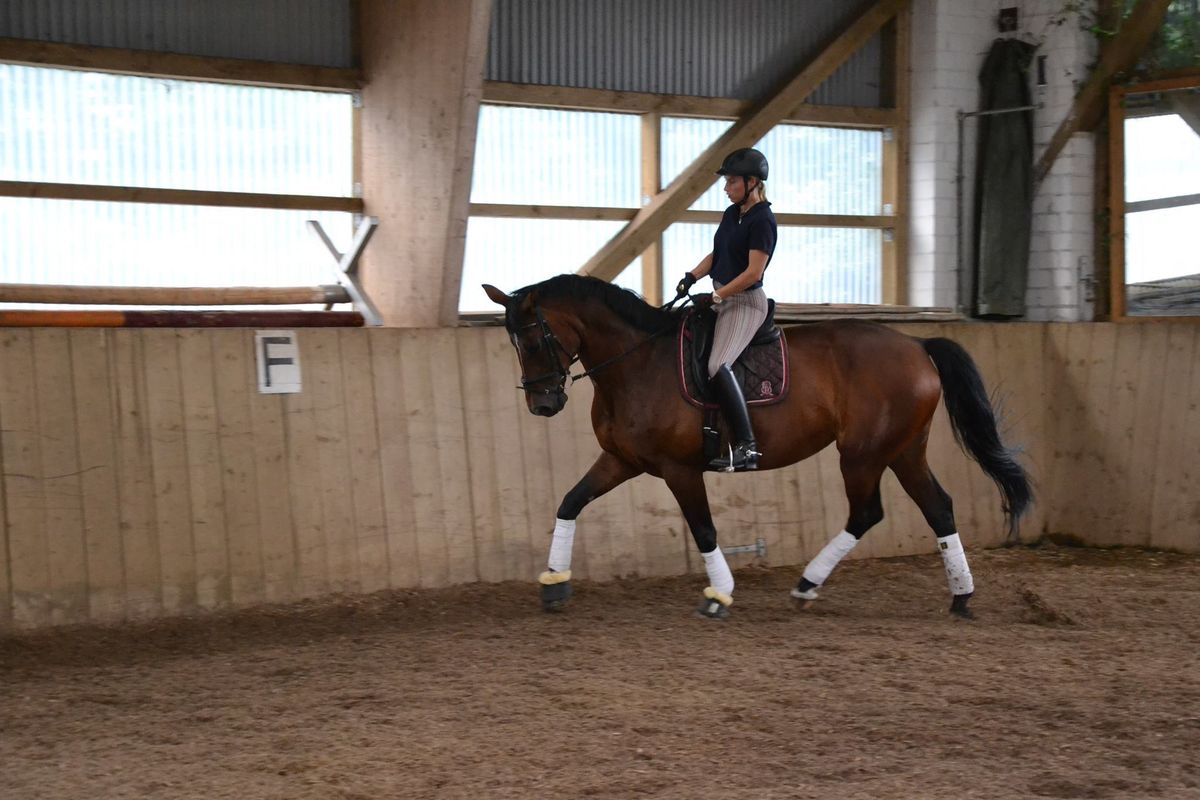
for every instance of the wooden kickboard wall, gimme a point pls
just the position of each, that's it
(144, 475)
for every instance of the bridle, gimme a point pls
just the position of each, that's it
(563, 373)
(549, 340)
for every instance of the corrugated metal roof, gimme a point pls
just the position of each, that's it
(710, 48)
(316, 32)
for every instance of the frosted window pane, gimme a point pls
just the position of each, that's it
(810, 265)
(65, 126)
(814, 170)
(1159, 244)
(1162, 158)
(511, 253)
(683, 140)
(551, 157)
(136, 244)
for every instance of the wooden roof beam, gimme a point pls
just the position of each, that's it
(667, 205)
(177, 65)
(1119, 55)
(675, 105)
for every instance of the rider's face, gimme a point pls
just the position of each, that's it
(735, 189)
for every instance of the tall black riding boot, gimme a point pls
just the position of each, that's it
(744, 455)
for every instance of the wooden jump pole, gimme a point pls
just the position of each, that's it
(180, 319)
(171, 295)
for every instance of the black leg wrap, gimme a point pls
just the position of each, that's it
(555, 596)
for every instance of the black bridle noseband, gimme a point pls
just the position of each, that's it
(563, 373)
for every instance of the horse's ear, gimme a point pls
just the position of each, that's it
(498, 297)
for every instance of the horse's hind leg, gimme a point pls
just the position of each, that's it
(917, 479)
(605, 475)
(866, 510)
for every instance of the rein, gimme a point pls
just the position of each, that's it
(564, 373)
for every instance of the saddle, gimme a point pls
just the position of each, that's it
(761, 369)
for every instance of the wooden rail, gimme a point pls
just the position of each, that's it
(172, 295)
(185, 197)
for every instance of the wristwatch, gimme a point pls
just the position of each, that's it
(717, 299)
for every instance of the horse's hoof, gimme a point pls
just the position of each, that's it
(554, 598)
(716, 605)
(713, 609)
(958, 607)
(556, 590)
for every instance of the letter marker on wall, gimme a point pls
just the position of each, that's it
(278, 362)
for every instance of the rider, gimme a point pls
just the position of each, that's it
(742, 248)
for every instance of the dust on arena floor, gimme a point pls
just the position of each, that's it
(1079, 679)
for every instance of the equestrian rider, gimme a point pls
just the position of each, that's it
(742, 248)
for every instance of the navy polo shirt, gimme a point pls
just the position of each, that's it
(736, 238)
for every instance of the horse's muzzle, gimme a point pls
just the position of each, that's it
(548, 405)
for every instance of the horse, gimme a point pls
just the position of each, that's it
(868, 389)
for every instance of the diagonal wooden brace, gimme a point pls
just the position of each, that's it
(348, 265)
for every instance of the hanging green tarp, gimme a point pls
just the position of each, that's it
(1004, 182)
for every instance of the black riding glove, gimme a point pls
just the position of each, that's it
(689, 280)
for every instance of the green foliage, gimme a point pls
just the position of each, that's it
(1177, 43)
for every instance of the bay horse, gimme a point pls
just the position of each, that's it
(863, 386)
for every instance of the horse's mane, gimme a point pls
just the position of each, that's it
(626, 304)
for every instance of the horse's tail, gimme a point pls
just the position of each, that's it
(975, 428)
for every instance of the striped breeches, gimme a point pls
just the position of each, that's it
(738, 319)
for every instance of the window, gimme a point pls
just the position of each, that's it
(545, 156)
(527, 157)
(511, 253)
(100, 130)
(810, 265)
(552, 186)
(1155, 151)
(814, 170)
(1162, 160)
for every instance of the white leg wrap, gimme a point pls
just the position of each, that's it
(958, 574)
(719, 576)
(560, 546)
(830, 556)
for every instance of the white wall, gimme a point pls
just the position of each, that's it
(950, 40)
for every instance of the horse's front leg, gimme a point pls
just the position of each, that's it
(606, 474)
(687, 484)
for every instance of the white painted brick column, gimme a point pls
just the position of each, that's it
(950, 40)
(1064, 226)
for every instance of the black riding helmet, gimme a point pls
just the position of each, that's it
(745, 163)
